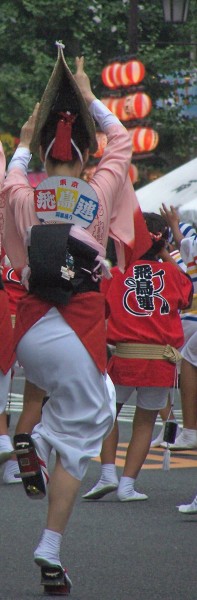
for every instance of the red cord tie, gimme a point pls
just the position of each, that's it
(61, 149)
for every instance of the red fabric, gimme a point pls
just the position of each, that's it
(61, 148)
(7, 355)
(128, 322)
(84, 313)
(15, 290)
(141, 241)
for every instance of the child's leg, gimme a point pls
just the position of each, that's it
(189, 394)
(149, 402)
(108, 481)
(139, 445)
(109, 447)
(167, 412)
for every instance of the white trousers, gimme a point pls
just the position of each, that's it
(5, 381)
(81, 409)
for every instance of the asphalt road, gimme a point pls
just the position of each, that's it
(113, 551)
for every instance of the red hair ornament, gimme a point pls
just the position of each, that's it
(62, 149)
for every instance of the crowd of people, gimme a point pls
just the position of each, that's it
(58, 294)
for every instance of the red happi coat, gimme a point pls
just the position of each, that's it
(144, 306)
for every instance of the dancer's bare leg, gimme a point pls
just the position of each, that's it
(110, 443)
(3, 424)
(167, 412)
(62, 492)
(143, 424)
(32, 406)
(188, 386)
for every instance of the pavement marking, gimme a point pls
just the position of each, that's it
(154, 460)
(14, 403)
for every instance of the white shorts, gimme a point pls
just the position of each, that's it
(5, 381)
(149, 398)
(81, 408)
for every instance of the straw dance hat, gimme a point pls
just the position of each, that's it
(63, 93)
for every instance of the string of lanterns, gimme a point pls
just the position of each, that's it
(144, 139)
(128, 107)
(123, 74)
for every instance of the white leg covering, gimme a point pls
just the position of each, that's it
(80, 410)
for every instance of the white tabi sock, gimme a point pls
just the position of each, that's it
(108, 474)
(48, 550)
(126, 486)
(126, 490)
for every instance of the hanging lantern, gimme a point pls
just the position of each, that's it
(133, 173)
(111, 103)
(132, 73)
(135, 106)
(118, 75)
(138, 104)
(144, 139)
(109, 75)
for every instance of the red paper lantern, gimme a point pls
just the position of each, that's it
(132, 72)
(117, 74)
(111, 103)
(133, 173)
(144, 139)
(109, 75)
(135, 106)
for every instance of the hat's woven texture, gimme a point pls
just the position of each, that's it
(63, 93)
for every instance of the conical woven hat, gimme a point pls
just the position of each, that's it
(62, 92)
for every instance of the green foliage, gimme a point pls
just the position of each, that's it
(99, 30)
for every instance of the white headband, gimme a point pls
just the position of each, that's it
(74, 146)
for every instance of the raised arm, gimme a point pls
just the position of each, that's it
(20, 213)
(172, 218)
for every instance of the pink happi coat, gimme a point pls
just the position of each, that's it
(119, 215)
